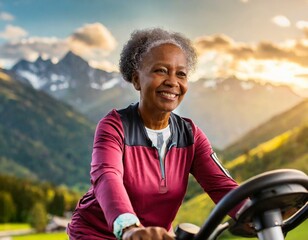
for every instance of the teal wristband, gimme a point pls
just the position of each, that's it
(123, 221)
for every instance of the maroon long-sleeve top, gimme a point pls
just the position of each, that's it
(127, 177)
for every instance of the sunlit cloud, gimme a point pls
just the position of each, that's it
(293, 51)
(103, 64)
(93, 42)
(244, 1)
(274, 71)
(218, 42)
(282, 63)
(5, 16)
(92, 37)
(281, 21)
(31, 48)
(13, 32)
(301, 24)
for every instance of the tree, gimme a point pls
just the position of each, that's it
(38, 217)
(7, 207)
(57, 205)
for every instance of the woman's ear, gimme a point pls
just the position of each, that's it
(136, 81)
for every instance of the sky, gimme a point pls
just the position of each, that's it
(264, 40)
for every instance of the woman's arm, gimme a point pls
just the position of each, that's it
(209, 172)
(107, 169)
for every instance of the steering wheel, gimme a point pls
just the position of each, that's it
(276, 198)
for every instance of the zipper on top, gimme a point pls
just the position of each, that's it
(163, 183)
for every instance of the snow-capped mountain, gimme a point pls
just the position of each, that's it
(74, 81)
(70, 72)
(224, 108)
(33, 71)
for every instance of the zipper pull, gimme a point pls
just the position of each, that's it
(163, 186)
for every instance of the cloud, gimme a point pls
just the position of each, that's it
(6, 16)
(293, 51)
(303, 75)
(281, 62)
(93, 36)
(31, 48)
(93, 42)
(281, 21)
(218, 42)
(13, 32)
(104, 64)
(303, 25)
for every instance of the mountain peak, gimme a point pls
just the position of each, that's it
(21, 64)
(70, 57)
(40, 59)
(71, 54)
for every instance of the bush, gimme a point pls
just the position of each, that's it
(38, 217)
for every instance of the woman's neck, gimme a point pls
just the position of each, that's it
(154, 121)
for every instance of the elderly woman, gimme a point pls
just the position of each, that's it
(143, 154)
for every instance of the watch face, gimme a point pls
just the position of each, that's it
(137, 224)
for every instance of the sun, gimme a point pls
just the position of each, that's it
(276, 72)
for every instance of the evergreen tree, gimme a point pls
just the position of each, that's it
(7, 207)
(57, 205)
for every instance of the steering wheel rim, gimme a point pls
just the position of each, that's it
(247, 189)
(288, 199)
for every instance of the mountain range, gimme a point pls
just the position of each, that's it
(47, 139)
(225, 109)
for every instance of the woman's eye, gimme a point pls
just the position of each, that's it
(161, 70)
(182, 74)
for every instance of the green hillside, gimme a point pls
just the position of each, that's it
(42, 138)
(287, 150)
(290, 119)
(195, 210)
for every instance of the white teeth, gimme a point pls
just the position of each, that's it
(171, 95)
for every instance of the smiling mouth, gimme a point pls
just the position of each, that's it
(169, 95)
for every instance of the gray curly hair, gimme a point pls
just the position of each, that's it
(142, 41)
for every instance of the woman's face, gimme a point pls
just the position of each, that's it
(162, 79)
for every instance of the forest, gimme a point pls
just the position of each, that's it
(32, 202)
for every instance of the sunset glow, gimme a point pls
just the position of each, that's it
(274, 71)
(247, 42)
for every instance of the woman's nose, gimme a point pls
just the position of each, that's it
(172, 80)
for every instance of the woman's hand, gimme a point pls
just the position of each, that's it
(147, 233)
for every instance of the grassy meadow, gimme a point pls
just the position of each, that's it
(43, 236)
(197, 209)
(300, 233)
(14, 226)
